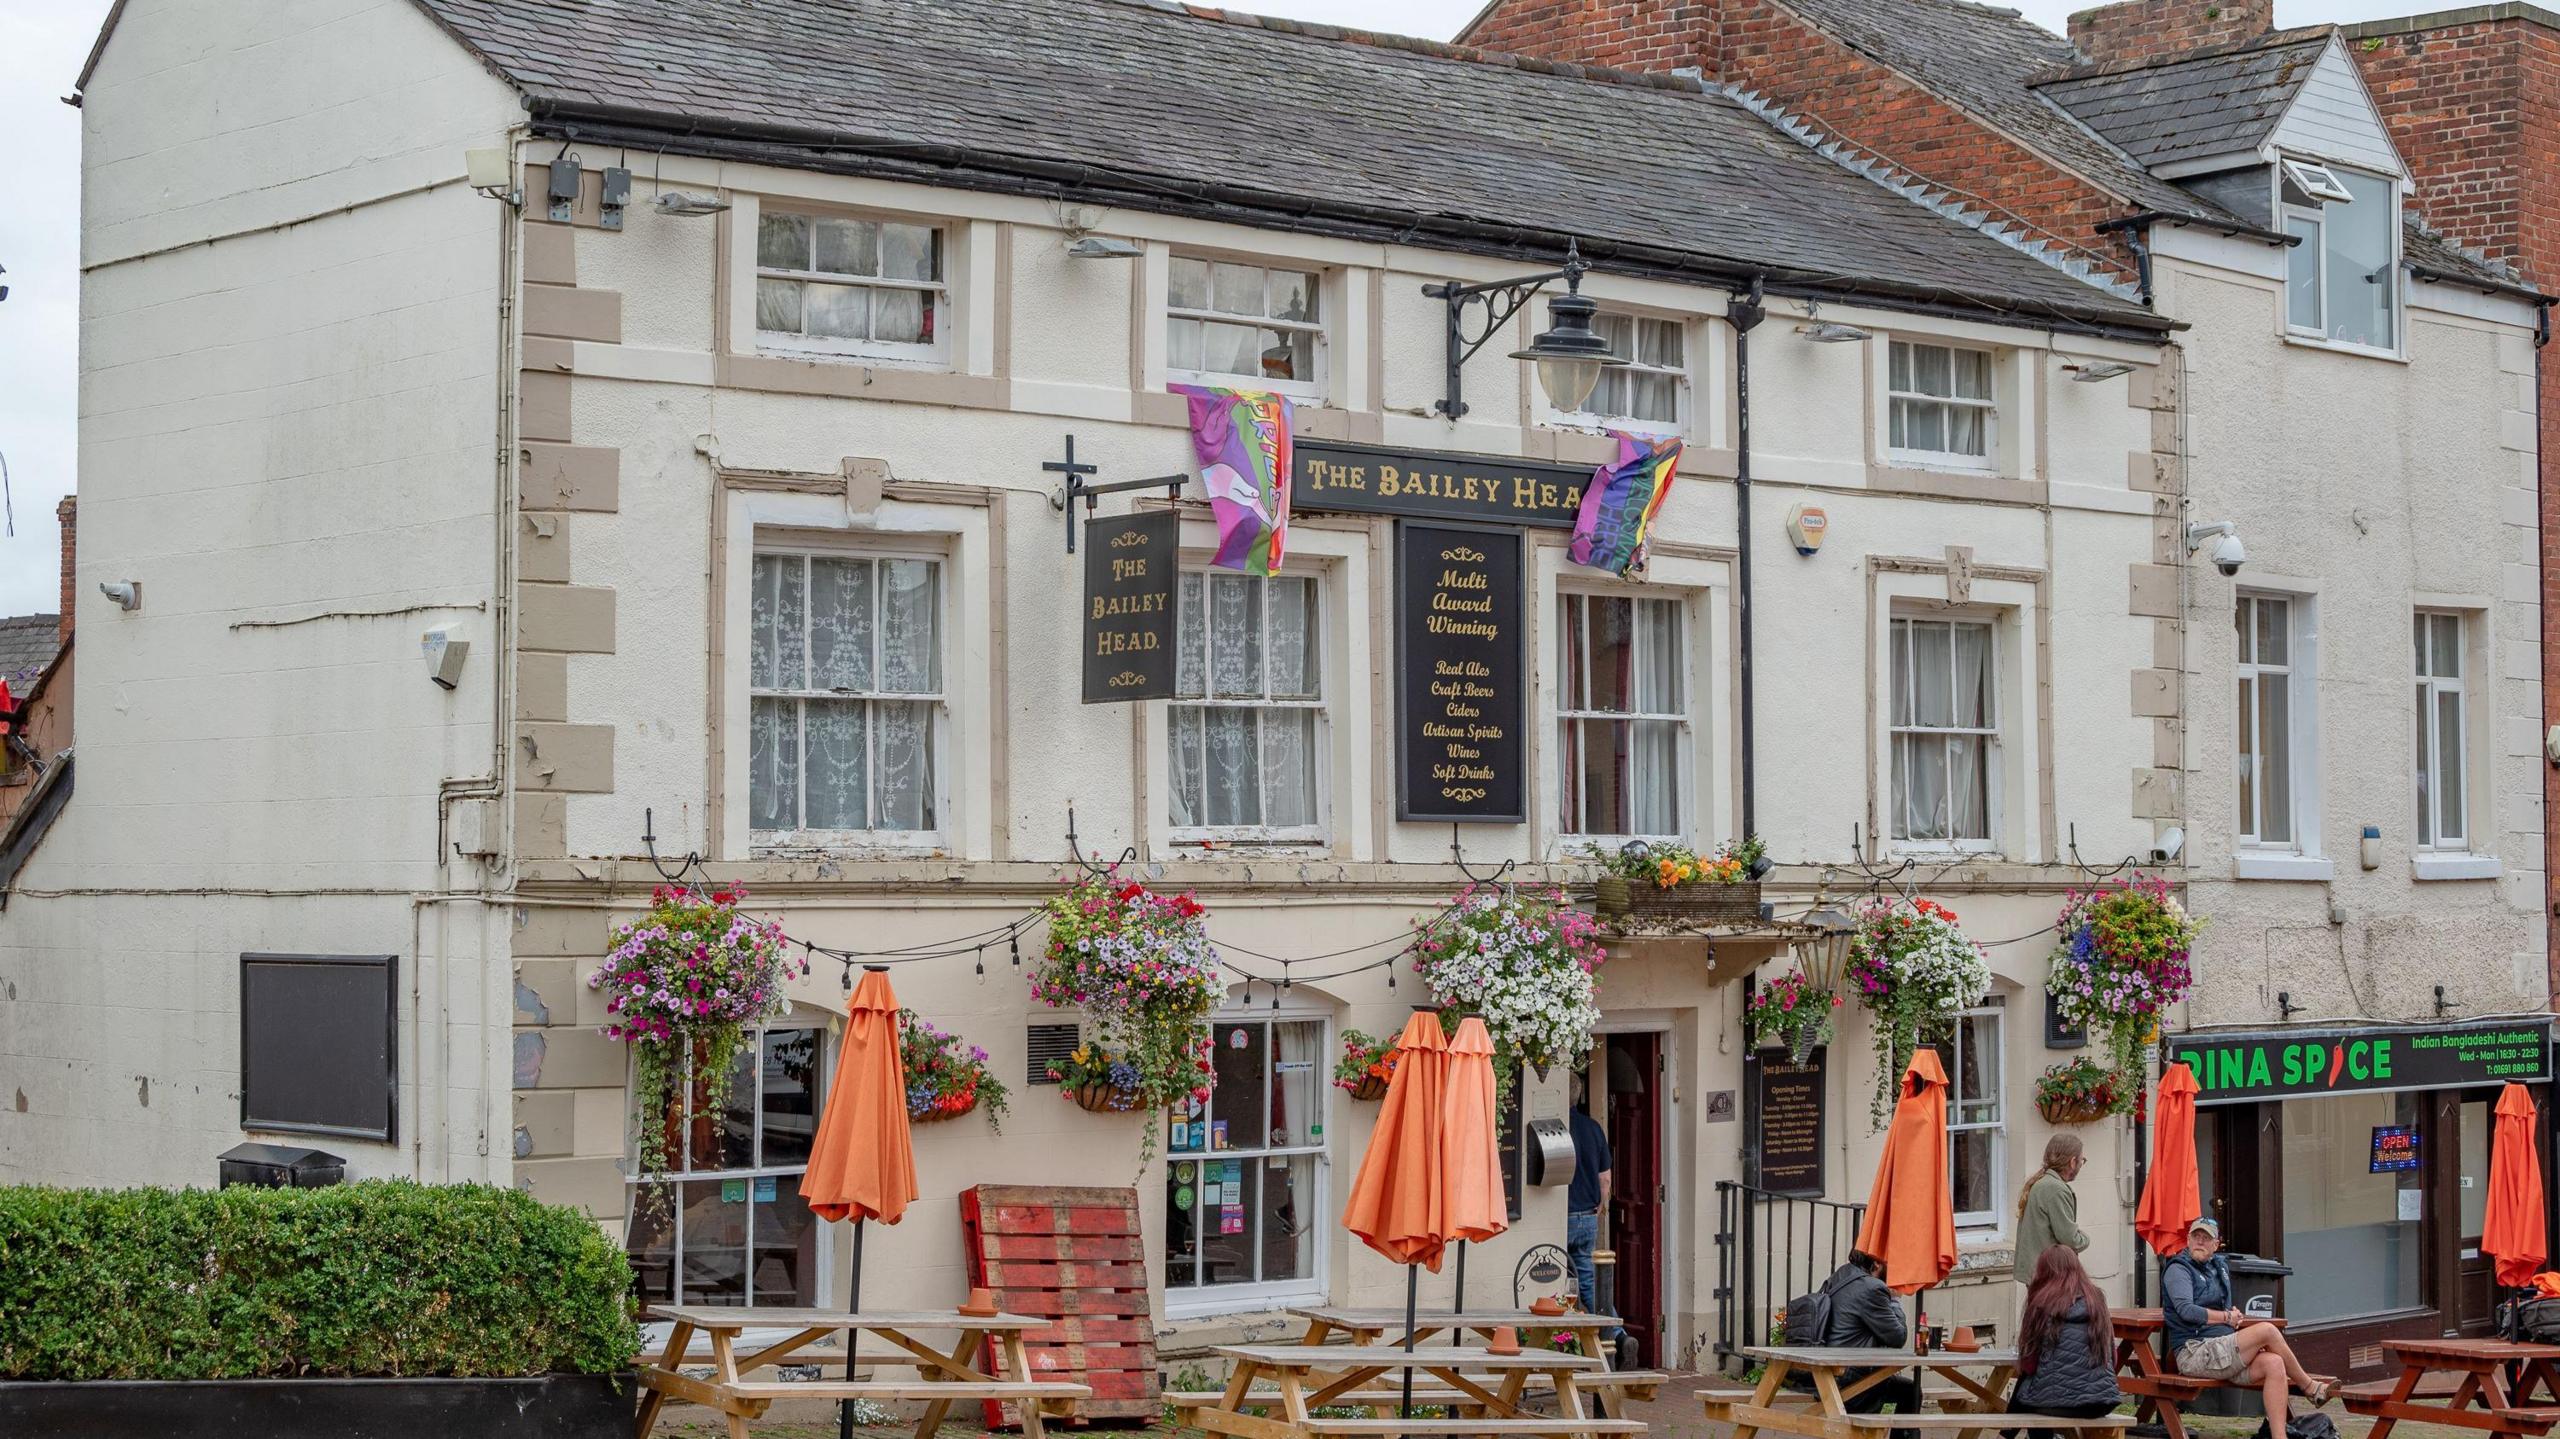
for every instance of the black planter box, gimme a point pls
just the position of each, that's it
(551, 1406)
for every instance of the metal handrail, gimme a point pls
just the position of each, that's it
(1771, 1247)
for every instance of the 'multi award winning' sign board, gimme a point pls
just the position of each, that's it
(1462, 681)
(1130, 566)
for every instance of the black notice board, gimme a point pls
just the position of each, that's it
(1380, 480)
(1787, 1108)
(1462, 674)
(1130, 566)
(319, 1044)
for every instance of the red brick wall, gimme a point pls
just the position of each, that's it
(1761, 46)
(2138, 31)
(2475, 111)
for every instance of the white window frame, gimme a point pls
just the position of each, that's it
(1320, 754)
(1681, 378)
(2254, 673)
(1994, 756)
(2429, 690)
(2316, 245)
(933, 353)
(1195, 1300)
(1310, 390)
(823, 1280)
(940, 699)
(1989, 459)
(1997, 1126)
(1570, 709)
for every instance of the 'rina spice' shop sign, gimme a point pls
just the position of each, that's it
(2307, 1063)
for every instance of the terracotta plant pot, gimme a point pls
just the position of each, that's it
(981, 1303)
(1505, 1340)
(1104, 1099)
(1962, 1341)
(1546, 1304)
(1370, 1088)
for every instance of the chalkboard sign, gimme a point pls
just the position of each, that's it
(319, 1044)
(1462, 686)
(1130, 566)
(1789, 1132)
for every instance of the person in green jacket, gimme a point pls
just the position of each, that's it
(2048, 1209)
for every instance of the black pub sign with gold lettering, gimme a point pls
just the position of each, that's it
(1130, 566)
(1462, 681)
(1374, 479)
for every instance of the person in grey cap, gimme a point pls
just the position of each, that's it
(2209, 1338)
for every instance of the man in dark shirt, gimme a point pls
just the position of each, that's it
(1584, 1199)
(1865, 1316)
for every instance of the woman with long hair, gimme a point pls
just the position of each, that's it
(2048, 1207)
(2066, 1344)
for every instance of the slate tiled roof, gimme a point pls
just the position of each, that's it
(28, 643)
(1194, 110)
(2220, 104)
(1987, 61)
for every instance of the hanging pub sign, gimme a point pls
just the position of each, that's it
(1376, 480)
(1462, 680)
(2307, 1063)
(1130, 565)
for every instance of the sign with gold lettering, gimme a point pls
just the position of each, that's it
(1130, 566)
(1374, 479)
(1462, 682)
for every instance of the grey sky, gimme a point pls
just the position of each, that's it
(42, 43)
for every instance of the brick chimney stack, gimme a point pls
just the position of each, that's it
(68, 513)
(2140, 31)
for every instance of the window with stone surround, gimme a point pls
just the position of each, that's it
(1240, 326)
(730, 1227)
(846, 712)
(845, 285)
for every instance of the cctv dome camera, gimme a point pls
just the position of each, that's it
(2229, 555)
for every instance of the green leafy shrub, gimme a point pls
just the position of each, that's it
(377, 1279)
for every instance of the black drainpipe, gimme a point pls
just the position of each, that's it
(1744, 313)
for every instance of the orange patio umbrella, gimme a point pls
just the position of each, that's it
(861, 1164)
(2170, 1199)
(1473, 1207)
(1399, 1201)
(2511, 1232)
(1911, 1212)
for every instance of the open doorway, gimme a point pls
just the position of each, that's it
(1630, 1107)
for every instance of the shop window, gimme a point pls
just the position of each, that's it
(1973, 1052)
(2442, 731)
(2351, 1235)
(1945, 733)
(1244, 1182)
(730, 1227)
(1651, 389)
(844, 286)
(1260, 325)
(844, 719)
(1941, 409)
(1247, 720)
(1622, 717)
(2265, 720)
(2342, 278)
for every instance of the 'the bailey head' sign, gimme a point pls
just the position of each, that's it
(1422, 484)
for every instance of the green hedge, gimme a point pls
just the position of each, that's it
(382, 1278)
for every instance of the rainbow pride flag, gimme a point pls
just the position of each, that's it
(1242, 439)
(1618, 508)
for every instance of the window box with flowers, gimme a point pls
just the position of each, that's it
(1670, 884)
(685, 983)
(1367, 1063)
(1140, 966)
(946, 1078)
(1914, 970)
(1523, 961)
(2121, 962)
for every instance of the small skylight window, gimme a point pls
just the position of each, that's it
(2308, 184)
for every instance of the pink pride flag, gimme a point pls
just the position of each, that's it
(1242, 439)
(1618, 508)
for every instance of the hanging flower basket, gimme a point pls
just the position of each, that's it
(1366, 1065)
(1523, 961)
(2074, 1112)
(939, 1113)
(945, 1077)
(1140, 967)
(2121, 961)
(1791, 1013)
(1911, 967)
(1369, 1090)
(2084, 1092)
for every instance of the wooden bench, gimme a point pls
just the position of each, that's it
(2377, 1400)
(2117, 1423)
(1720, 1399)
(1390, 1427)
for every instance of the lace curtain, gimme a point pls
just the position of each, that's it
(844, 665)
(1248, 686)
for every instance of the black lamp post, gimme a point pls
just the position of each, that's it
(1569, 354)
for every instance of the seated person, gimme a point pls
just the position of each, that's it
(2209, 1338)
(2066, 1346)
(1865, 1315)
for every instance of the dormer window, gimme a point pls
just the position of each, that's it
(2342, 278)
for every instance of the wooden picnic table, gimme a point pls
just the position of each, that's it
(2484, 1384)
(1488, 1386)
(2144, 1372)
(1842, 1374)
(1611, 1389)
(944, 1375)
